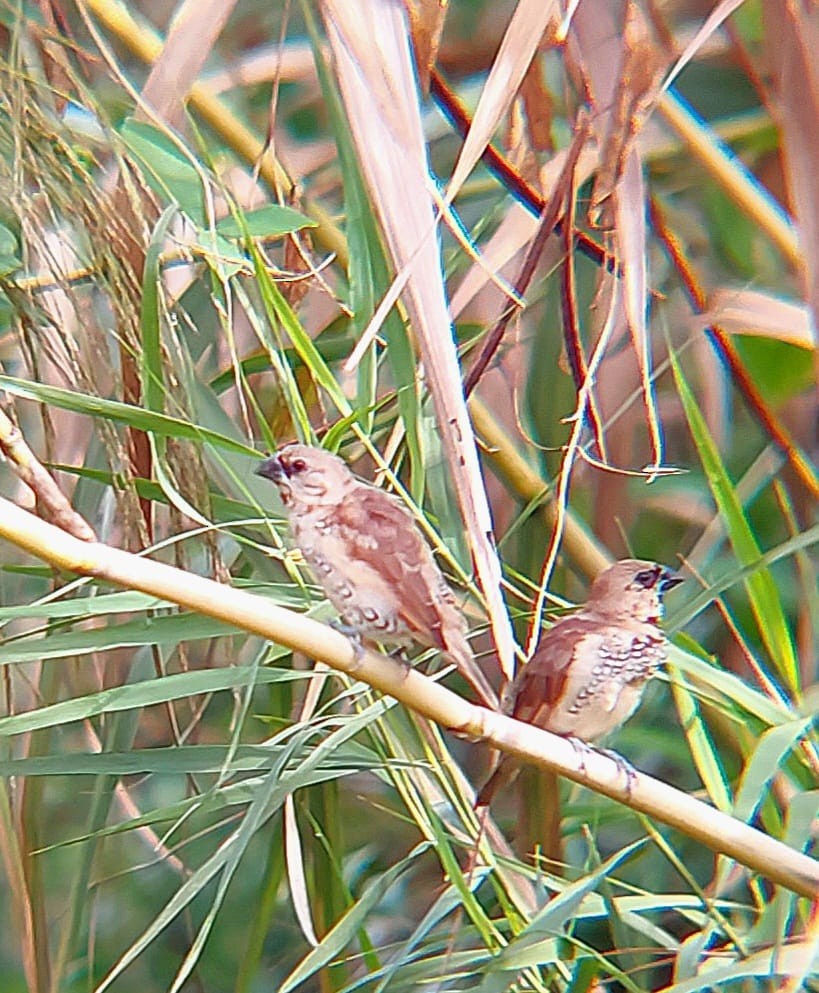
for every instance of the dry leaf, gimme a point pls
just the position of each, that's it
(529, 22)
(373, 61)
(195, 28)
(426, 24)
(641, 70)
(758, 313)
(793, 34)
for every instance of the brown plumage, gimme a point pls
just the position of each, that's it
(588, 673)
(370, 558)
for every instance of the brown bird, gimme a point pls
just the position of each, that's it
(588, 673)
(370, 558)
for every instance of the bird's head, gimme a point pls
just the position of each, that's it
(306, 476)
(632, 590)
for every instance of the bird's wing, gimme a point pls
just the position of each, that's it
(383, 535)
(541, 681)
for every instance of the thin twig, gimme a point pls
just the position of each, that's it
(726, 351)
(506, 173)
(546, 227)
(51, 501)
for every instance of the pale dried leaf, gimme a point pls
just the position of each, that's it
(370, 43)
(608, 56)
(565, 24)
(520, 42)
(536, 98)
(758, 313)
(517, 228)
(642, 63)
(720, 13)
(514, 232)
(295, 872)
(794, 30)
(629, 199)
(595, 52)
(195, 28)
(291, 62)
(426, 23)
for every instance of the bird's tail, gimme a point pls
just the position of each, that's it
(465, 662)
(504, 772)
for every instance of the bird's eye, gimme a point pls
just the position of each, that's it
(297, 465)
(647, 578)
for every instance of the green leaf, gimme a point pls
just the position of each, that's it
(87, 606)
(370, 279)
(728, 687)
(763, 966)
(270, 221)
(762, 591)
(447, 902)
(169, 629)
(10, 259)
(168, 170)
(183, 760)
(152, 370)
(779, 369)
(124, 413)
(145, 693)
(706, 757)
(153, 381)
(224, 861)
(279, 311)
(537, 942)
(347, 928)
(764, 763)
(465, 888)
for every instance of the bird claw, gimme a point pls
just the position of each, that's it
(623, 765)
(582, 748)
(346, 629)
(353, 636)
(401, 658)
(359, 648)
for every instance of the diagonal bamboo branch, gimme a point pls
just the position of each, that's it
(718, 831)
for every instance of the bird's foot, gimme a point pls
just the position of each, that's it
(582, 748)
(403, 660)
(346, 629)
(623, 766)
(353, 636)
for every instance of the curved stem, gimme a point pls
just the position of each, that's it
(718, 831)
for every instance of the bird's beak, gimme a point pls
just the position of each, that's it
(271, 468)
(668, 580)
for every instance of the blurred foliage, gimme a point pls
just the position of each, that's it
(165, 313)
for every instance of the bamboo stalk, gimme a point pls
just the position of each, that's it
(718, 831)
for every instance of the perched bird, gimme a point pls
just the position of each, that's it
(370, 558)
(588, 673)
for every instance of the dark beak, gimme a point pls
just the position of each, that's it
(272, 469)
(668, 580)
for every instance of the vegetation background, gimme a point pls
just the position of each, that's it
(202, 206)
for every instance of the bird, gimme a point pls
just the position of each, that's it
(587, 675)
(368, 555)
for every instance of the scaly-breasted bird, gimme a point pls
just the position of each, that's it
(589, 670)
(370, 558)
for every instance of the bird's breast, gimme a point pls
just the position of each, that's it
(355, 587)
(604, 682)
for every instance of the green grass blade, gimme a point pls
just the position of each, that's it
(121, 413)
(762, 592)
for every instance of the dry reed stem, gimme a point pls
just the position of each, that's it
(716, 830)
